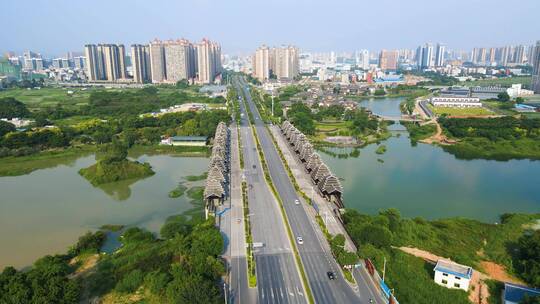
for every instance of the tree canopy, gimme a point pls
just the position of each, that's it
(12, 108)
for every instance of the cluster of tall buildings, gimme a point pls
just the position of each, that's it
(535, 60)
(277, 62)
(159, 61)
(429, 56)
(506, 55)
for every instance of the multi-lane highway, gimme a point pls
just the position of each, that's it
(314, 252)
(278, 279)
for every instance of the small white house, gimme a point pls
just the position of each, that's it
(452, 275)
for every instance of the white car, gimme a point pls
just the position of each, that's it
(296, 202)
(300, 240)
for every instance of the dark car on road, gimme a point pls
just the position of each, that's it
(331, 275)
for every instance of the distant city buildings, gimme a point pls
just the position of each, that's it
(536, 68)
(388, 60)
(279, 62)
(167, 61)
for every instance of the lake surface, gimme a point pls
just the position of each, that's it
(425, 181)
(45, 212)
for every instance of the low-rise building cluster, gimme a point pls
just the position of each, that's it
(216, 181)
(456, 102)
(327, 183)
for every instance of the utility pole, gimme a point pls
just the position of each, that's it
(272, 101)
(384, 269)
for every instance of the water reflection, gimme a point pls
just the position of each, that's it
(426, 181)
(44, 212)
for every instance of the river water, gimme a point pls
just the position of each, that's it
(45, 212)
(425, 181)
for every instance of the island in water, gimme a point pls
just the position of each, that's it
(113, 166)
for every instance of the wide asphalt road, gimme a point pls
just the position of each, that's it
(278, 280)
(314, 252)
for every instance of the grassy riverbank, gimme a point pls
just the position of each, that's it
(501, 138)
(418, 132)
(15, 166)
(463, 240)
(502, 150)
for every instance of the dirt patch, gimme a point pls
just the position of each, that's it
(478, 290)
(438, 137)
(498, 272)
(87, 264)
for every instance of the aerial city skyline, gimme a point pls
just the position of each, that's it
(276, 151)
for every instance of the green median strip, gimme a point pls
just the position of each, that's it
(283, 213)
(252, 274)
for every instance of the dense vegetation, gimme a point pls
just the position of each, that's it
(181, 268)
(527, 259)
(418, 132)
(463, 240)
(494, 138)
(132, 129)
(48, 280)
(113, 166)
(11, 108)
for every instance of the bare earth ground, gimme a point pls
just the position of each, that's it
(478, 290)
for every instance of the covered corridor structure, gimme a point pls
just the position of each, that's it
(327, 183)
(217, 180)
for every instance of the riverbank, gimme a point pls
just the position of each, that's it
(465, 241)
(21, 165)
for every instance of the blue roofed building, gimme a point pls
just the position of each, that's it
(514, 294)
(452, 275)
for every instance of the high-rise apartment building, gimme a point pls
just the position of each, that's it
(157, 61)
(425, 57)
(285, 63)
(105, 62)
(440, 55)
(79, 62)
(364, 60)
(261, 63)
(536, 68)
(519, 54)
(388, 60)
(179, 61)
(282, 62)
(208, 61)
(140, 62)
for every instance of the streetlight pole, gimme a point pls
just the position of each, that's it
(272, 101)
(384, 269)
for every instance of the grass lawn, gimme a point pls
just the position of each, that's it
(460, 111)
(331, 126)
(506, 82)
(48, 97)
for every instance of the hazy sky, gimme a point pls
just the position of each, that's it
(55, 26)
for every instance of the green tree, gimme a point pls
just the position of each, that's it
(11, 108)
(378, 236)
(528, 257)
(113, 152)
(503, 97)
(6, 127)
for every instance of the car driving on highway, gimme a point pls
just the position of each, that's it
(296, 202)
(331, 275)
(300, 240)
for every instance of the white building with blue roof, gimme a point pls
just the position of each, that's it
(514, 294)
(452, 275)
